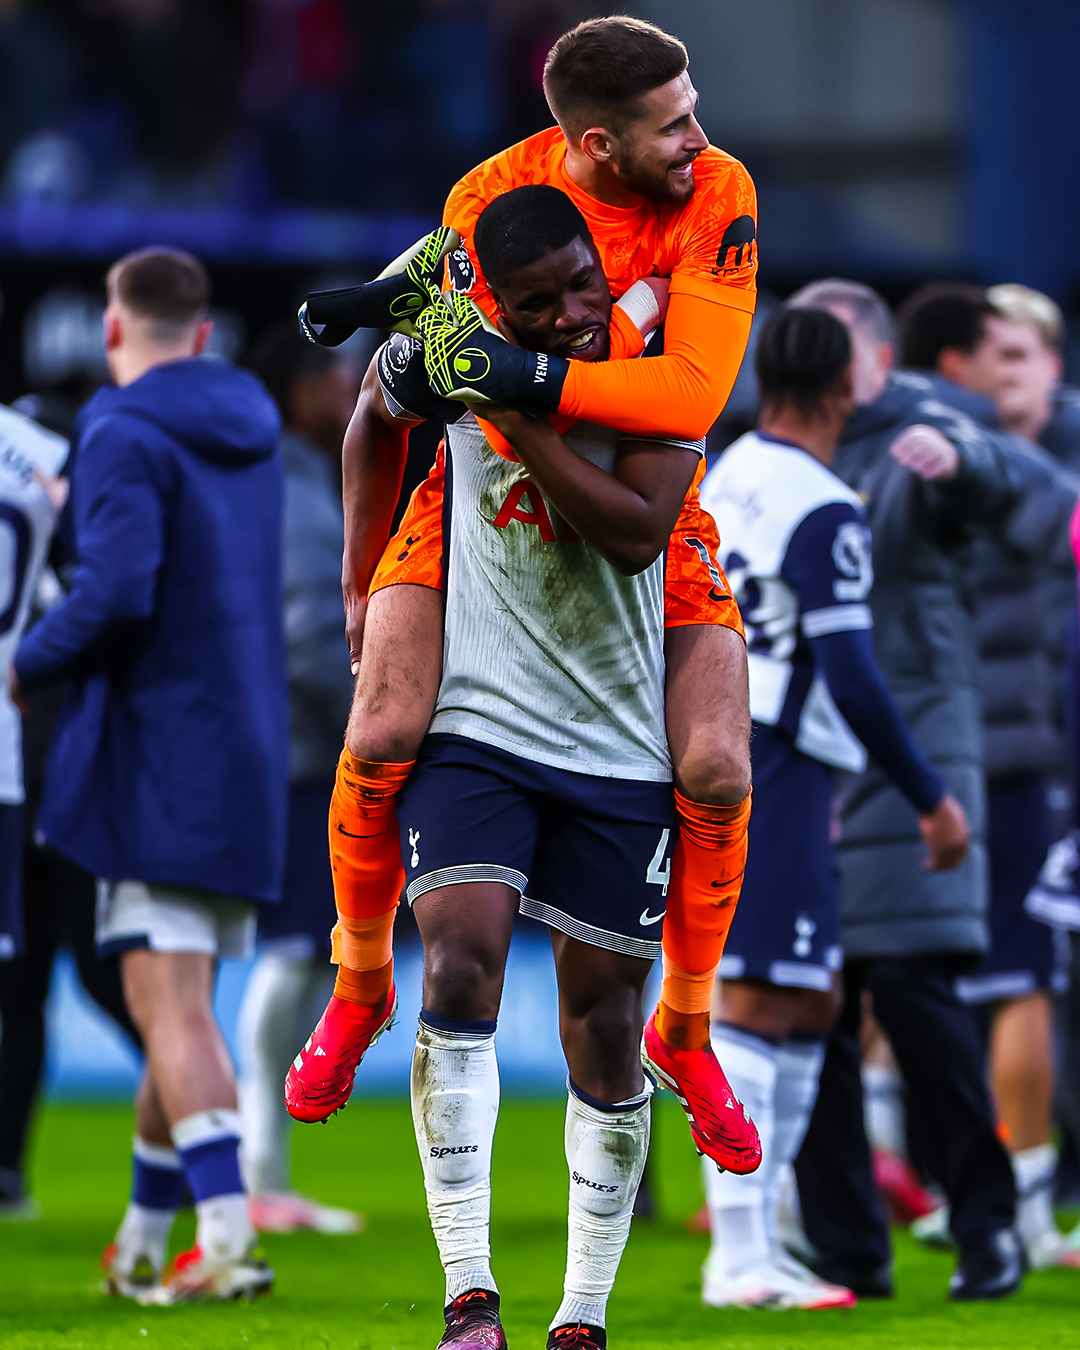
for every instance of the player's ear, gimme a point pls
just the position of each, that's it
(202, 336)
(506, 329)
(598, 144)
(846, 384)
(114, 330)
(952, 362)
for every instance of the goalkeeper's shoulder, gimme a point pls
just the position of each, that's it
(714, 236)
(529, 161)
(723, 188)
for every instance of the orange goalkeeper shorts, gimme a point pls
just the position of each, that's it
(695, 587)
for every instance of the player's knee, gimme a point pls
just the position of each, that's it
(612, 1031)
(381, 740)
(716, 780)
(460, 982)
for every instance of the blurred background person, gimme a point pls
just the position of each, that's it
(931, 480)
(315, 389)
(1021, 567)
(799, 561)
(31, 498)
(1031, 399)
(167, 774)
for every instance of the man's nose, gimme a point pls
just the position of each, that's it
(573, 314)
(696, 138)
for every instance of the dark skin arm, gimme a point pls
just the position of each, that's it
(627, 515)
(373, 458)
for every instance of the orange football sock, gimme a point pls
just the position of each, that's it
(706, 877)
(369, 987)
(365, 856)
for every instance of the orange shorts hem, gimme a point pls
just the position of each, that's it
(696, 591)
(414, 555)
(695, 587)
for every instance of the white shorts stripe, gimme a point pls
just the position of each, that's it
(1000, 984)
(836, 619)
(462, 875)
(796, 975)
(585, 932)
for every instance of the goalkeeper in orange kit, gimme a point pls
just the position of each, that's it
(659, 201)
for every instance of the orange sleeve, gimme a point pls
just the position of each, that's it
(683, 392)
(713, 293)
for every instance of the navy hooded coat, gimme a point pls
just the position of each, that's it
(169, 760)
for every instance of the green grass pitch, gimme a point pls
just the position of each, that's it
(382, 1289)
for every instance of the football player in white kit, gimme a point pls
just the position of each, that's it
(545, 781)
(31, 497)
(797, 550)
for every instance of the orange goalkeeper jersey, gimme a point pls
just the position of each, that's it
(708, 248)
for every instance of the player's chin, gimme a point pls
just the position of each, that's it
(680, 183)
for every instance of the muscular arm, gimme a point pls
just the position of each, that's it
(627, 515)
(373, 458)
(681, 393)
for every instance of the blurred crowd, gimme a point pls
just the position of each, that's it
(251, 103)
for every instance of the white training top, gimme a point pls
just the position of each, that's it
(550, 653)
(27, 518)
(796, 551)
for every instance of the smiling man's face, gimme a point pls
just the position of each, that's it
(654, 153)
(559, 304)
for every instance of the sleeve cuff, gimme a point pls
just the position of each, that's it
(734, 297)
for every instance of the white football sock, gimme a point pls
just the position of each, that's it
(455, 1104)
(208, 1143)
(223, 1230)
(605, 1155)
(143, 1232)
(740, 1233)
(274, 1022)
(798, 1070)
(1034, 1170)
(883, 1098)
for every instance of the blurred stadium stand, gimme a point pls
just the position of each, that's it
(284, 139)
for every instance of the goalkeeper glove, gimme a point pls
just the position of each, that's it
(466, 357)
(392, 300)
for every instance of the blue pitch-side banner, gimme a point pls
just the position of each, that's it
(89, 1058)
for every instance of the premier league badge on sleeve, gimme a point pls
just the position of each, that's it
(460, 268)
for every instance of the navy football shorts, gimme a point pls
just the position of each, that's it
(590, 856)
(1024, 955)
(299, 924)
(786, 929)
(11, 899)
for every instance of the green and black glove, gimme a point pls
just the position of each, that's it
(392, 300)
(467, 358)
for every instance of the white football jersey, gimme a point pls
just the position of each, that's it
(550, 653)
(27, 518)
(796, 550)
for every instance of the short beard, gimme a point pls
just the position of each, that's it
(655, 187)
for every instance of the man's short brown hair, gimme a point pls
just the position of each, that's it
(597, 72)
(163, 284)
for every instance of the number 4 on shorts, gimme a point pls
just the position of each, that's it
(654, 876)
